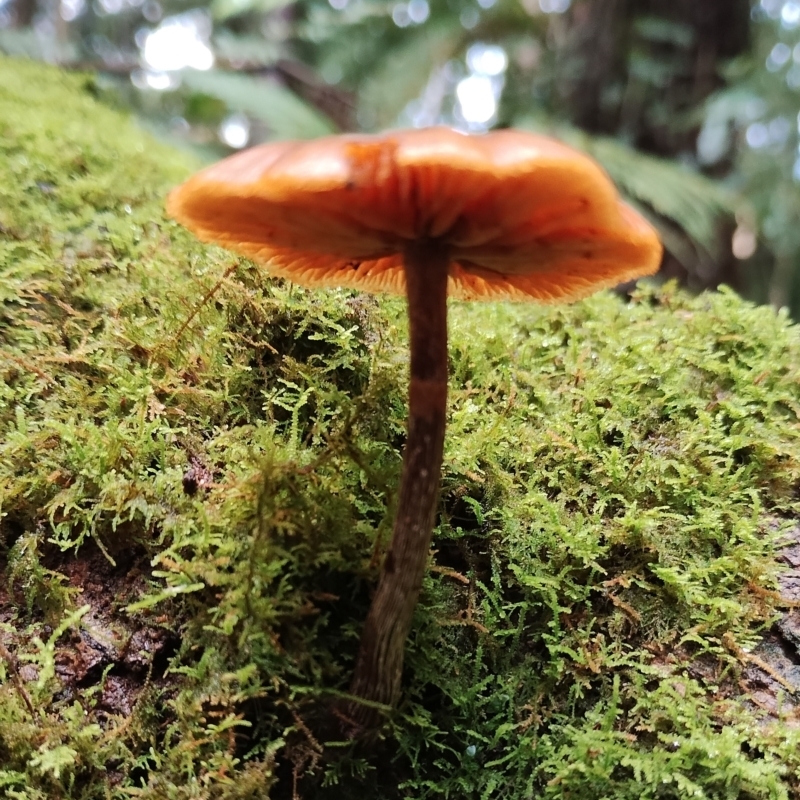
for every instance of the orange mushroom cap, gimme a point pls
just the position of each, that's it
(524, 216)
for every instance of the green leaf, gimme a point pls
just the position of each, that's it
(663, 31)
(224, 9)
(25, 43)
(11, 778)
(54, 761)
(169, 592)
(287, 115)
(406, 69)
(249, 49)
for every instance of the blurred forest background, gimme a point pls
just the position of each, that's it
(691, 105)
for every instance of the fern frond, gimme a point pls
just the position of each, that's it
(405, 69)
(693, 202)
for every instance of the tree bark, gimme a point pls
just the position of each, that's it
(24, 11)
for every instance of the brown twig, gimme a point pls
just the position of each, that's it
(208, 295)
(749, 658)
(28, 366)
(17, 678)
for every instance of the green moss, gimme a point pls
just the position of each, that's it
(616, 477)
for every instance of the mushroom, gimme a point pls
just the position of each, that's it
(428, 213)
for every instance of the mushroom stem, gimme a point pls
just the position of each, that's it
(380, 660)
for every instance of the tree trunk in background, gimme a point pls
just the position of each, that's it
(593, 62)
(24, 12)
(603, 82)
(639, 69)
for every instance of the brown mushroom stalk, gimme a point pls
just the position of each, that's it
(380, 660)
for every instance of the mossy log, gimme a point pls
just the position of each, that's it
(197, 476)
